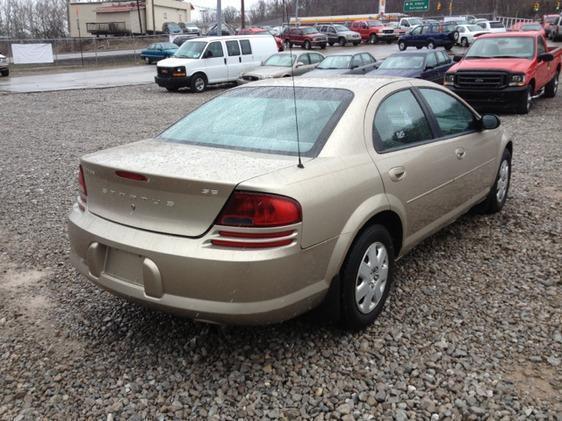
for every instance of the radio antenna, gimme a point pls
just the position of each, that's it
(300, 165)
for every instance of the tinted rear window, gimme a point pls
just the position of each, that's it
(262, 119)
(496, 25)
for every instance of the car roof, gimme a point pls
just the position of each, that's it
(231, 37)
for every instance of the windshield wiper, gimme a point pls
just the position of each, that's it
(477, 57)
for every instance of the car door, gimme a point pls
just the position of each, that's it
(315, 59)
(475, 151)
(233, 60)
(214, 62)
(444, 63)
(543, 67)
(332, 35)
(431, 71)
(417, 170)
(414, 38)
(302, 64)
(247, 56)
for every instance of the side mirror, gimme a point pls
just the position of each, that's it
(457, 58)
(546, 57)
(489, 122)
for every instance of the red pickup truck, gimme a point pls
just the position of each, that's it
(373, 31)
(507, 70)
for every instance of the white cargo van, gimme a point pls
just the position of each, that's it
(203, 61)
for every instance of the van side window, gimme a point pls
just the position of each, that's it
(233, 48)
(246, 46)
(214, 49)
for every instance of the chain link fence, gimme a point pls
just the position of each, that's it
(88, 51)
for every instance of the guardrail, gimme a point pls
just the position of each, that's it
(510, 21)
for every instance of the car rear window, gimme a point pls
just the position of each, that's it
(496, 25)
(262, 119)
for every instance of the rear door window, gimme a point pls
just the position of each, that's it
(400, 122)
(357, 61)
(453, 117)
(367, 58)
(430, 61)
(246, 47)
(315, 58)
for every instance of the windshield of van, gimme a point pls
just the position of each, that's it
(262, 119)
(335, 62)
(191, 49)
(503, 47)
(280, 60)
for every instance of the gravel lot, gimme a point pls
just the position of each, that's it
(472, 330)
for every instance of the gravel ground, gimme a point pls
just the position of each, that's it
(472, 330)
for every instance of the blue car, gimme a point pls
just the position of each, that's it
(428, 65)
(430, 36)
(158, 51)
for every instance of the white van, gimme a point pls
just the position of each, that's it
(203, 61)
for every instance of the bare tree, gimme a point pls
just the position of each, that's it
(33, 18)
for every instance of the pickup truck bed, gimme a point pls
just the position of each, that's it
(507, 70)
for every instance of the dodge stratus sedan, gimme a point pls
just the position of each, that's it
(216, 218)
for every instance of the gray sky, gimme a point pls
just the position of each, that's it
(225, 3)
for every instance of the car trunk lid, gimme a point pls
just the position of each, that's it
(169, 187)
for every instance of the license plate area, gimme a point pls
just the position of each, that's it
(124, 266)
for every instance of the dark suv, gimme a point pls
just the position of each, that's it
(430, 36)
(306, 37)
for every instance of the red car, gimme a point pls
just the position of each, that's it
(305, 36)
(506, 70)
(373, 31)
(528, 27)
(254, 30)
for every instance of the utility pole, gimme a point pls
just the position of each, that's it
(153, 19)
(242, 15)
(297, 13)
(219, 18)
(138, 12)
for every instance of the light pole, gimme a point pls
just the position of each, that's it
(242, 15)
(297, 13)
(219, 19)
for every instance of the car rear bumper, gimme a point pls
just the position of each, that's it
(172, 82)
(483, 99)
(190, 277)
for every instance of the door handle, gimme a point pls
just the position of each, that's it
(225, 60)
(239, 59)
(461, 153)
(397, 173)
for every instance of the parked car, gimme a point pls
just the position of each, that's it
(226, 30)
(4, 66)
(408, 24)
(204, 61)
(262, 31)
(396, 27)
(429, 65)
(373, 31)
(181, 39)
(492, 26)
(528, 27)
(171, 28)
(468, 33)
(158, 51)
(283, 65)
(506, 70)
(306, 36)
(190, 28)
(339, 34)
(556, 29)
(460, 20)
(430, 36)
(339, 64)
(548, 22)
(215, 220)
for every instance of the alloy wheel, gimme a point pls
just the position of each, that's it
(371, 278)
(503, 181)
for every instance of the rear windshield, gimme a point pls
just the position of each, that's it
(262, 119)
(503, 47)
(496, 25)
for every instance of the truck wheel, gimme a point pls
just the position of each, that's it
(552, 87)
(402, 46)
(307, 45)
(431, 45)
(464, 43)
(198, 83)
(342, 41)
(526, 101)
(366, 277)
(373, 39)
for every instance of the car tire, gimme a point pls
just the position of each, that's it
(147, 60)
(525, 101)
(497, 196)
(323, 46)
(551, 89)
(366, 277)
(198, 83)
(456, 36)
(402, 46)
(431, 45)
(342, 41)
(307, 45)
(5, 72)
(464, 42)
(373, 39)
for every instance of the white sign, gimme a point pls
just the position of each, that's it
(32, 53)
(382, 7)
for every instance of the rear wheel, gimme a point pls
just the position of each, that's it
(373, 39)
(402, 46)
(431, 45)
(307, 45)
(342, 41)
(498, 194)
(367, 277)
(198, 83)
(464, 42)
(525, 101)
(551, 88)
(147, 60)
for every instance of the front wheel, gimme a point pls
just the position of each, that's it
(431, 45)
(497, 197)
(147, 60)
(373, 39)
(342, 41)
(551, 89)
(198, 83)
(366, 277)
(525, 101)
(402, 46)
(307, 45)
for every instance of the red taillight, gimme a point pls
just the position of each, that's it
(131, 175)
(259, 210)
(82, 189)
